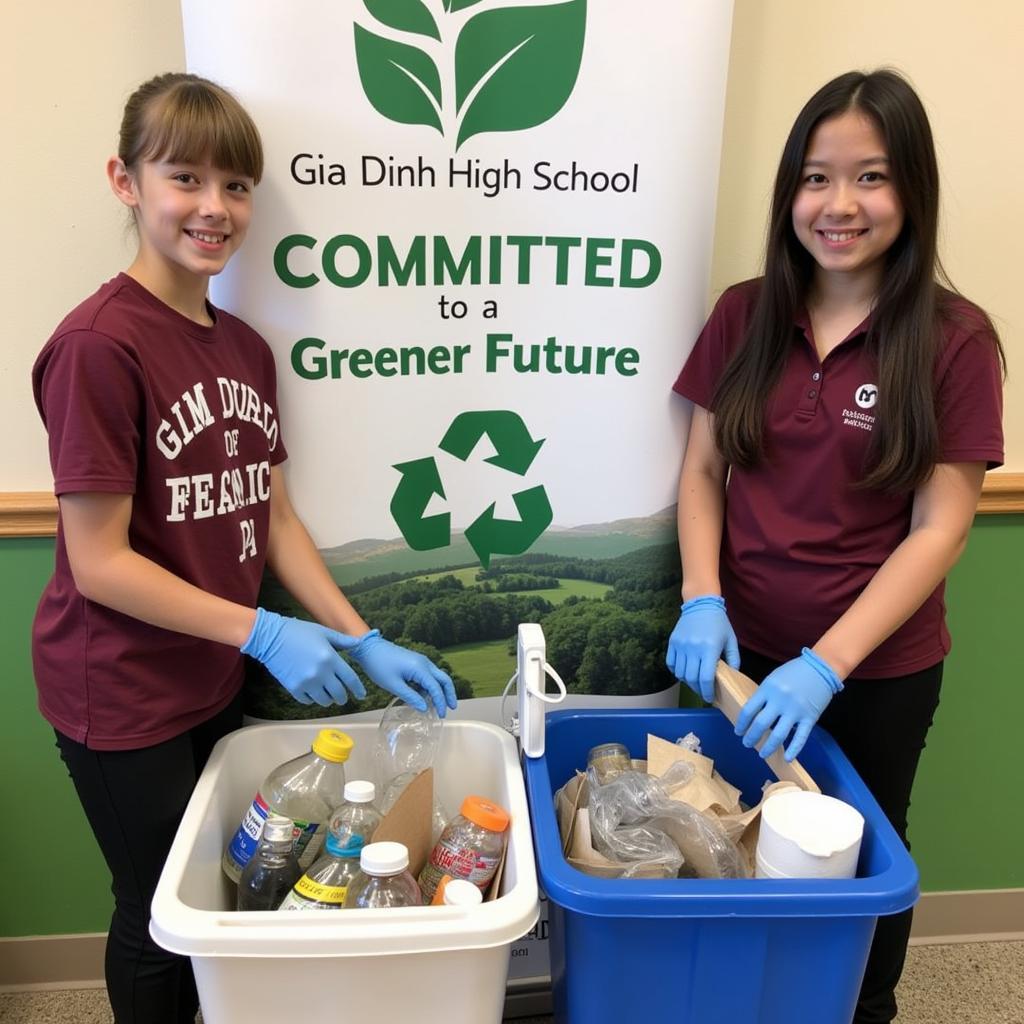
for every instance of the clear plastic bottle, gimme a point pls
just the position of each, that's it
(305, 789)
(407, 744)
(470, 847)
(272, 870)
(325, 882)
(383, 879)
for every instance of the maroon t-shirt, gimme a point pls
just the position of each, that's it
(137, 399)
(800, 541)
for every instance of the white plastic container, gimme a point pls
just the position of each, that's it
(808, 835)
(276, 965)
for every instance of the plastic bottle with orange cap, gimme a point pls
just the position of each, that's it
(306, 789)
(471, 847)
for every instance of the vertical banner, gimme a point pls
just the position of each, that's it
(481, 252)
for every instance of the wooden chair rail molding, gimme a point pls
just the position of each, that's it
(34, 513)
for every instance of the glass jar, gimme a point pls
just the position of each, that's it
(609, 760)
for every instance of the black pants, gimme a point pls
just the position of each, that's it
(134, 800)
(881, 725)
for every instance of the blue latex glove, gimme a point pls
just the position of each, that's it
(702, 635)
(392, 668)
(794, 695)
(303, 657)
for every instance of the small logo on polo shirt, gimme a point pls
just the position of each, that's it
(866, 395)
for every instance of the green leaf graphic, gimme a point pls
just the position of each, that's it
(532, 57)
(405, 15)
(397, 78)
(459, 5)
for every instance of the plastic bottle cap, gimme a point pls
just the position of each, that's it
(460, 893)
(277, 828)
(360, 792)
(482, 812)
(384, 858)
(332, 745)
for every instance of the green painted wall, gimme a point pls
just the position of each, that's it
(964, 834)
(963, 827)
(56, 879)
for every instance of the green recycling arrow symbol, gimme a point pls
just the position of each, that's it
(489, 536)
(420, 482)
(515, 451)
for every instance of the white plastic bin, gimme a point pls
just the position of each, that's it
(443, 964)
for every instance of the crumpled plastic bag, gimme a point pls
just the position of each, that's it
(634, 821)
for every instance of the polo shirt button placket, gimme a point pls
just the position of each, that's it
(810, 400)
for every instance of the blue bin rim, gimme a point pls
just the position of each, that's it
(889, 892)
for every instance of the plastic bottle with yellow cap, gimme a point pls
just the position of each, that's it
(306, 789)
(470, 847)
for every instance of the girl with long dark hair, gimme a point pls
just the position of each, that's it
(845, 408)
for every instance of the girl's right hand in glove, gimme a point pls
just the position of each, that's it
(303, 657)
(702, 635)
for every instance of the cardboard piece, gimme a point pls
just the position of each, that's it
(732, 690)
(410, 821)
(707, 790)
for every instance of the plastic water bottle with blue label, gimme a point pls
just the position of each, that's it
(326, 881)
(306, 789)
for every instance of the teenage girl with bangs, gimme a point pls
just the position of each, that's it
(167, 453)
(845, 408)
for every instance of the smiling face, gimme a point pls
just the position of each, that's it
(191, 219)
(846, 212)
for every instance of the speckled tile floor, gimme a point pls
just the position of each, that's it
(975, 983)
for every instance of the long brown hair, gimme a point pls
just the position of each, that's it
(906, 326)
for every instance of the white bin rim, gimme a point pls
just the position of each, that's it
(191, 931)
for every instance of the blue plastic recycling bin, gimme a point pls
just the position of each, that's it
(703, 951)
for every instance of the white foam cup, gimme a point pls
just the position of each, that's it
(808, 835)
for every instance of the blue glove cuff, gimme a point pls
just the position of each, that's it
(834, 683)
(258, 638)
(356, 652)
(707, 601)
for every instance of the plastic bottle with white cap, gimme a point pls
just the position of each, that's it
(460, 893)
(326, 881)
(384, 879)
(272, 870)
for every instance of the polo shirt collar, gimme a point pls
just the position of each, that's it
(802, 320)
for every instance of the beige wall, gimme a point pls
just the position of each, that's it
(66, 68)
(965, 60)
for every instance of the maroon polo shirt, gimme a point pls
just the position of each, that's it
(801, 541)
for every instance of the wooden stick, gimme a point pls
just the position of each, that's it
(732, 690)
